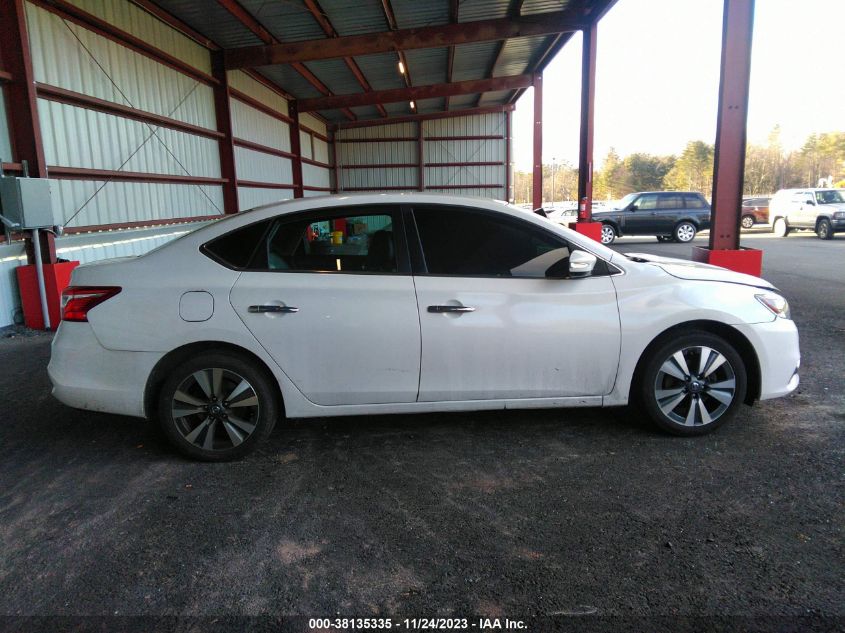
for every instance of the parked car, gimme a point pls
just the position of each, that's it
(755, 211)
(670, 215)
(409, 303)
(819, 210)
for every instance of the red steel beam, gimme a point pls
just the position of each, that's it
(507, 156)
(390, 16)
(84, 173)
(381, 166)
(454, 18)
(296, 150)
(4, 76)
(69, 97)
(513, 12)
(323, 20)
(588, 99)
(537, 162)
(96, 228)
(416, 93)
(729, 162)
(264, 149)
(258, 105)
(223, 115)
(440, 36)
(245, 17)
(21, 100)
(420, 157)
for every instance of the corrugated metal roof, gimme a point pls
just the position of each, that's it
(291, 21)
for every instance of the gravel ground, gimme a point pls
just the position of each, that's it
(589, 516)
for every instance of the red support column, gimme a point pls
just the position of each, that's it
(538, 142)
(729, 164)
(335, 166)
(588, 98)
(223, 112)
(295, 149)
(420, 157)
(22, 107)
(508, 150)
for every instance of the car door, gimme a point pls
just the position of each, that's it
(493, 325)
(670, 209)
(799, 211)
(641, 218)
(330, 296)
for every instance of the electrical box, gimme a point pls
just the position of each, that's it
(26, 202)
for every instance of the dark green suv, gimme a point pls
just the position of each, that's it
(670, 215)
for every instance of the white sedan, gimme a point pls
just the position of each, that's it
(408, 303)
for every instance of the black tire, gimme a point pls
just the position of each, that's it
(232, 429)
(684, 232)
(824, 230)
(747, 221)
(780, 227)
(608, 234)
(659, 392)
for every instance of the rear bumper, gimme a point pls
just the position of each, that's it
(778, 352)
(85, 375)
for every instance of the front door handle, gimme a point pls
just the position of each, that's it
(444, 309)
(272, 308)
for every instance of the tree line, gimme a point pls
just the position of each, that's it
(820, 161)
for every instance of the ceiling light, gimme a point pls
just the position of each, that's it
(401, 67)
(413, 105)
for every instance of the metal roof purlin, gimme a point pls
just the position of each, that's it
(244, 16)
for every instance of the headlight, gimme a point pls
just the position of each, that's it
(775, 303)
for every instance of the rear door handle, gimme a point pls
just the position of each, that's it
(272, 308)
(444, 309)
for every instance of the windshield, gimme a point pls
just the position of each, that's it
(829, 197)
(624, 202)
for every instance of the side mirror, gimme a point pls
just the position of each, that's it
(581, 264)
(810, 201)
(633, 207)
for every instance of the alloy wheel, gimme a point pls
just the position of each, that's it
(685, 232)
(215, 409)
(607, 234)
(747, 222)
(695, 386)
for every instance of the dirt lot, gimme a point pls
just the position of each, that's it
(582, 514)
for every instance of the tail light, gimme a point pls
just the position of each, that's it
(77, 300)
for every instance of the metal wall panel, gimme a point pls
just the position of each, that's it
(313, 123)
(490, 124)
(253, 125)
(134, 20)
(78, 137)
(251, 197)
(67, 55)
(469, 151)
(396, 152)
(239, 80)
(261, 167)
(471, 175)
(305, 144)
(495, 194)
(83, 248)
(379, 178)
(393, 130)
(92, 202)
(313, 176)
(321, 151)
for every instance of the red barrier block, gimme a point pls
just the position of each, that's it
(744, 260)
(56, 279)
(590, 229)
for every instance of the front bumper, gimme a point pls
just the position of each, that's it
(776, 344)
(86, 375)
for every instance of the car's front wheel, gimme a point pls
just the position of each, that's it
(608, 234)
(685, 232)
(217, 406)
(747, 221)
(692, 384)
(780, 228)
(824, 230)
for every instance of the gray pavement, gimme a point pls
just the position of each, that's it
(579, 514)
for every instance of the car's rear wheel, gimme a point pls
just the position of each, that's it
(824, 230)
(685, 232)
(780, 228)
(608, 234)
(747, 221)
(217, 406)
(692, 384)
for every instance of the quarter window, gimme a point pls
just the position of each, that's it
(235, 249)
(467, 243)
(694, 202)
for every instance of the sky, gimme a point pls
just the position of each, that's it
(657, 79)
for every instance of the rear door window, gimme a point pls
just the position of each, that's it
(670, 202)
(694, 202)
